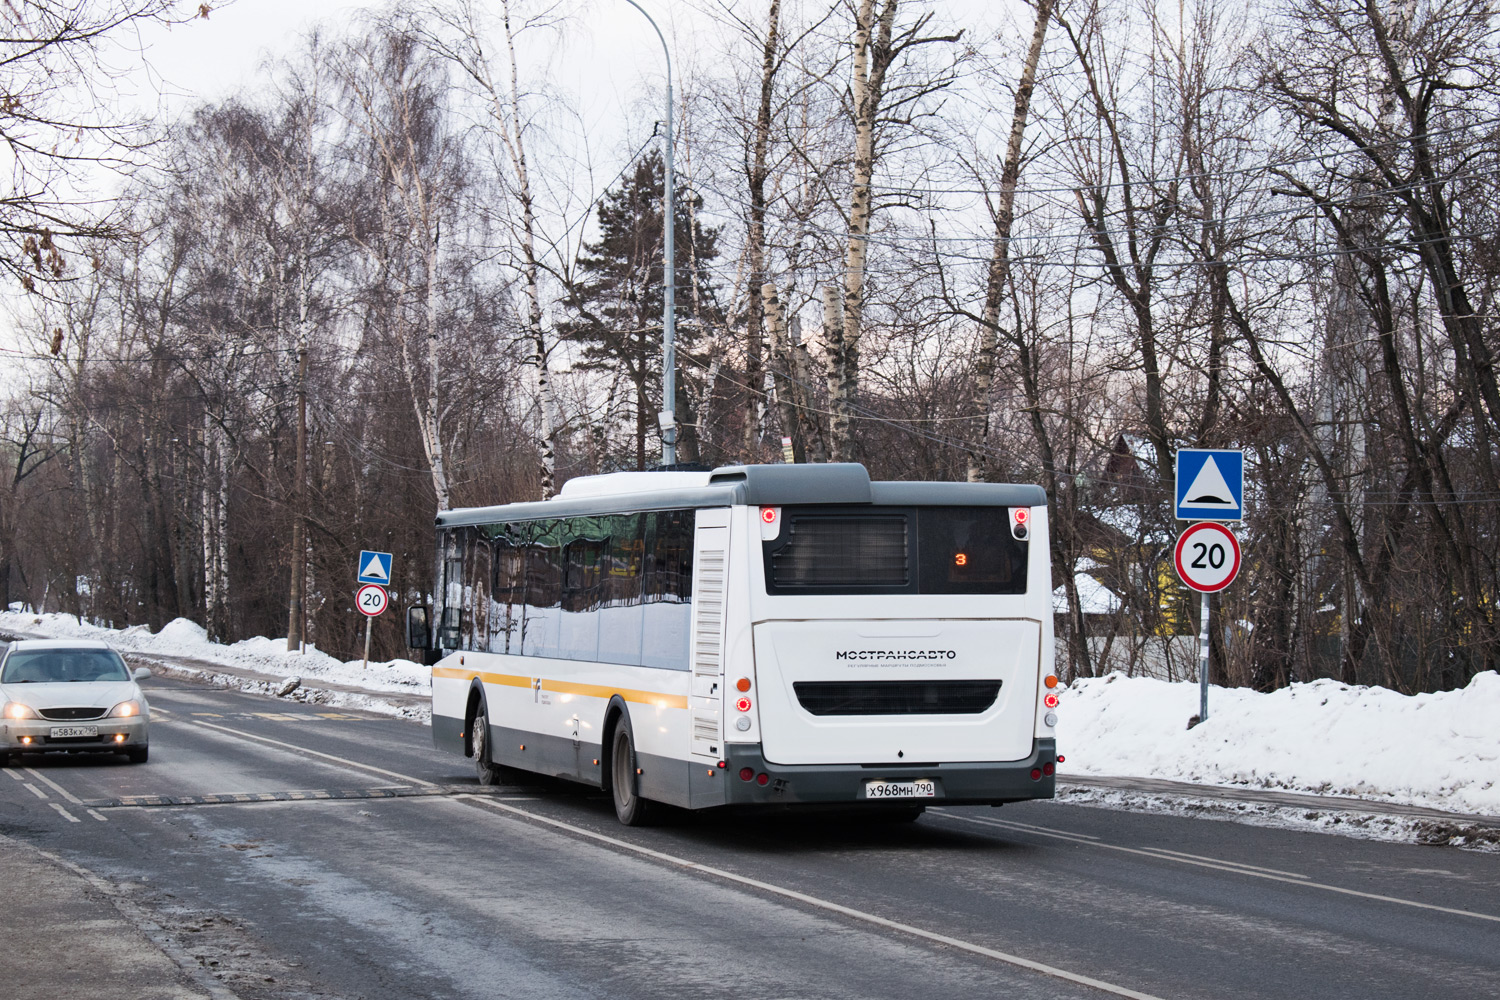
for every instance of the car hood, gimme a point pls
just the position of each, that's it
(74, 694)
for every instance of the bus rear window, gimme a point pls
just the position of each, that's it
(827, 552)
(896, 550)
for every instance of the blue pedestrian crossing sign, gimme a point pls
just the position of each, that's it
(374, 567)
(1210, 484)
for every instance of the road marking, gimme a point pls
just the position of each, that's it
(35, 791)
(821, 904)
(14, 775)
(1237, 864)
(315, 753)
(98, 815)
(55, 786)
(294, 795)
(66, 815)
(1224, 867)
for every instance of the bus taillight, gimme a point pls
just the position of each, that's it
(1051, 700)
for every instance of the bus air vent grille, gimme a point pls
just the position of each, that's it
(897, 697)
(708, 635)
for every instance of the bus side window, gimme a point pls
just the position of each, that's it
(543, 593)
(622, 577)
(477, 580)
(669, 590)
(510, 586)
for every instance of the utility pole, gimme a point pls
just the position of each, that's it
(295, 621)
(667, 418)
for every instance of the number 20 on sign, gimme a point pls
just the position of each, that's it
(1208, 557)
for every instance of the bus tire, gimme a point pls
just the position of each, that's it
(630, 808)
(484, 770)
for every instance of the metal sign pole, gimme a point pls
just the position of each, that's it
(1203, 665)
(370, 621)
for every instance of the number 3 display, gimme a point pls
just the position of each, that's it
(1208, 557)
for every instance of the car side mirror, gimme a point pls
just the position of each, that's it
(140, 673)
(418, 628)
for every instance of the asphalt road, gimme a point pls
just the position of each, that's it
(366, 864)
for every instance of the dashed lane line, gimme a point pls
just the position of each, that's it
(98, 815)
(818, 903)
(59, 789)
(35, 790)
(66, 815)
(1223, 866)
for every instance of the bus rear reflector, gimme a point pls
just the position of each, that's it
(1036, 774)
(743, 684)
(746, 773)
(1050, 680)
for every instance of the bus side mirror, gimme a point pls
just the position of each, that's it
(418, 628)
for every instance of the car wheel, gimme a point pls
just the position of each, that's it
(138, 755)
(630, 808)
(486, 772)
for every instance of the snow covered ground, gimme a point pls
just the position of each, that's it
(1441, 751)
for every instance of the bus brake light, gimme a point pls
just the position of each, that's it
(743, 705)
(1051, 700)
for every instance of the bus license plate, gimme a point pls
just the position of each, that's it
(63, 732)
(921, 788)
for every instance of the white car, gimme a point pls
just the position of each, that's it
(74, 696)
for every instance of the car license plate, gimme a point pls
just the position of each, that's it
(921, 788)
(63, 732)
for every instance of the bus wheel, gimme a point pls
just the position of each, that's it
(630, 808)
(487, 773)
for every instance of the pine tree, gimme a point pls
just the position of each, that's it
(616, 300)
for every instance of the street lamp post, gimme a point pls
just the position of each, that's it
(667, 418)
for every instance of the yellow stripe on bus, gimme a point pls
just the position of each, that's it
(657, 698)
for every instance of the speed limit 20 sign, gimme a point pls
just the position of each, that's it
(372, 599)
(1208, 557)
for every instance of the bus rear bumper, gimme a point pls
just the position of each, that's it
(970, 783)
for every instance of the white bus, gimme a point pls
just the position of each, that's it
(774, 635)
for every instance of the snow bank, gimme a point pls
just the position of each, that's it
(1436, 750)
(184, 638)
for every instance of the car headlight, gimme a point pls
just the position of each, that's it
(16, 710)
(125, 710)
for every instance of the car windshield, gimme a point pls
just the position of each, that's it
(54, 665)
